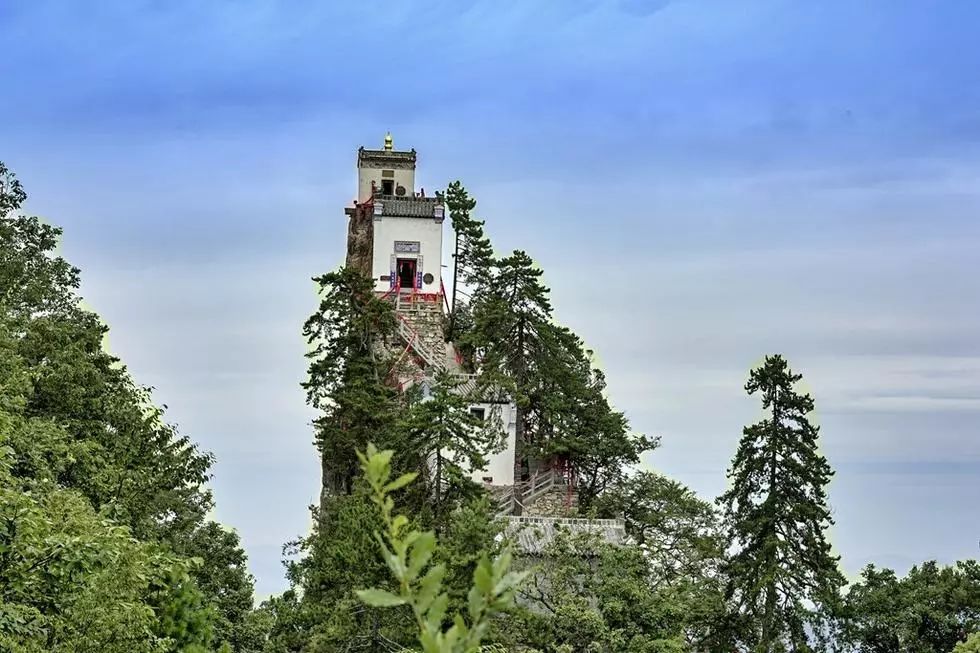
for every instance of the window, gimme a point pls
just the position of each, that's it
(479, 413)
(387, 186)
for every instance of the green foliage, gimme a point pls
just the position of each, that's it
(408, 554)
(12, 194)
(970, 645)
(339, 556)
(442, 429)
(931, 610)
(776, 513)
(681, 539)
(347, 375)
(680, 532)
(586, 595)
(222, 577)
(73, 581)
(80, 423)
(574, 420)
(472, 256)
(561, 405)
(470, 535)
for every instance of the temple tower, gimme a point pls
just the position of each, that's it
(407, 225)
(395, 237)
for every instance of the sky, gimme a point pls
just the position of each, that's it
(703, 182)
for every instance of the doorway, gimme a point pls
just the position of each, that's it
(406, 272)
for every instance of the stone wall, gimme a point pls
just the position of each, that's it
(555, 503)
(427, 319)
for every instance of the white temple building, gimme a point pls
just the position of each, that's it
(395, 234)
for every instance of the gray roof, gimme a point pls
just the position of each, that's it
(411, 207)
(533, 534)
(386, 159)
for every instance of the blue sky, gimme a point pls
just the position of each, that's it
(703, 182)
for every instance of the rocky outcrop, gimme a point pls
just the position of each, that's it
(360, 239)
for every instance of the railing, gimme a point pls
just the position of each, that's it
(532, 519)
(531, 490)
(411, 337)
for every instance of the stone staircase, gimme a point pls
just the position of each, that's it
(420, 326)
(541, 484)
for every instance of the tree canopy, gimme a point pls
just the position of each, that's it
(97, 463)
(106, 544)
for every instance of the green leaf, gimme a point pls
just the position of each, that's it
(421, 553)
(400, 482)
(379, 598)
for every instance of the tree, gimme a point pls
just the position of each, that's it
(931, 610)
(72, 580)
(585, 595)
(508, 324)
(224, 579)
(680, 533)
(12, 194)
(574, 419)
(449, 438)
(348, 375)
(681, 538)
(781, 572)
(471, 535)
(111, 444)
(473, 255)
(418, 584)
(323, 613)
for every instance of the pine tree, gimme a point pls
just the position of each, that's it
(115, 448)
(573, 418)
(473, 255)
(449, 437)
(508, 324)
(348, 375)
(781, 572)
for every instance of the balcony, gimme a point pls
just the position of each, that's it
(409, 207)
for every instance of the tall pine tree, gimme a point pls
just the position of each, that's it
(348, 375)
(780, 571)
(449, 438)
(509, 321)
(472, 255)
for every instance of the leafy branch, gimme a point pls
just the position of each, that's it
(408, 552)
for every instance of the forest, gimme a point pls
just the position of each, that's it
(106, 544)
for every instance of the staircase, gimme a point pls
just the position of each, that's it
(420, 326)
(540, 484)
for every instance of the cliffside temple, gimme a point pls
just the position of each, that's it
(395, 237)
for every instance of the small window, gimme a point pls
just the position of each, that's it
(388, 186)
(479, 413)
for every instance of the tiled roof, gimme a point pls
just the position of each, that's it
(412, 207)
(381, 158)
(533, 534)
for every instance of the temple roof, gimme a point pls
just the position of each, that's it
(532, 535)
(386, 159)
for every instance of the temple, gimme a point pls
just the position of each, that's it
(395, 237)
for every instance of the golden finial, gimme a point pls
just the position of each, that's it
(388, 141)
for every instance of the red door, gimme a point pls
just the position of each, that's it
(406, 272)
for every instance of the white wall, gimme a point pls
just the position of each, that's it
(500, 467)
(426, 231)
(365, 176)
